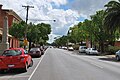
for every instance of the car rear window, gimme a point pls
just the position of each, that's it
(12, 53)
(93, 49)
(34, 49)
(83, 47)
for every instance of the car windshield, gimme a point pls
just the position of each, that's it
(12, 52)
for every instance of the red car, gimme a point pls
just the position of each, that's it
(15, 58)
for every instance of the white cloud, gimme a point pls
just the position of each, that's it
(88, 7)
(64, 20)
(58, 2)
(52, 37)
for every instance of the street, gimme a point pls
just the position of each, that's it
(58, 64)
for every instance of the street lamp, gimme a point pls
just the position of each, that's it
(42, 20)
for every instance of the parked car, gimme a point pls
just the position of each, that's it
(42, 50)
(117, 55)
(91, 51)
(70, 49)
(82, 49)
(35, 52)
(15, 58)
(64, 47)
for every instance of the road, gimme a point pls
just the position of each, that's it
(58, 64)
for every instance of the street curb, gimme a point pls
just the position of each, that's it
(110, 56)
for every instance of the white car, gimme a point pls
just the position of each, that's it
(65, 48)
(82, 49)
(91, 51)
(70, 49)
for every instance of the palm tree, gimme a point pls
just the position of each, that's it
(112, 16)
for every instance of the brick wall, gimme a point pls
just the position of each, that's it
(117, 43)
(13, 42)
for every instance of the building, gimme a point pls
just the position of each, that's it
(12, 18)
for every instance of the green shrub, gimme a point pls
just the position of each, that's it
(76, 47)
(113, 49)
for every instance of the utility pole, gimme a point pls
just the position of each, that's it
(25, 37)
(27, 11)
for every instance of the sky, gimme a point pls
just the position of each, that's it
(67, 13)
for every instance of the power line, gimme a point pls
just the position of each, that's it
(43, 20)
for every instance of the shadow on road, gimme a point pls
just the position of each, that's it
(11, 72)
(109, 59)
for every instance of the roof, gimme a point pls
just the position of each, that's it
(11, 12)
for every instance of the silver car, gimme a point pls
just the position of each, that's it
(117, 54)
(82, 49)
(91, 51)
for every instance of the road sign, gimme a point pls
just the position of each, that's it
(25, 42)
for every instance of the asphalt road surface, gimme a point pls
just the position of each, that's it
(58, 64)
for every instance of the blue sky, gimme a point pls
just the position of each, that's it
(67, 13)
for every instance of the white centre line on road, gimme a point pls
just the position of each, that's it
(36, 67)
(96, 65)
(90, 62)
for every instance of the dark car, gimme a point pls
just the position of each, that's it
(15, 58)
(42, 50)
(35, 52)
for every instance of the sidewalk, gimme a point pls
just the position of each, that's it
(110, 56)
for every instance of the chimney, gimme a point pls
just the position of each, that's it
(1, 6)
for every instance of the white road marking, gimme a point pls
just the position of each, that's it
(90, 62)
(96, 65)
(6, 77)
(36, 67)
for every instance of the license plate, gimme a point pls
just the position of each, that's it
(11, 65)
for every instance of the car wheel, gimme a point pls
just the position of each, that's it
(26, 67)
(31, 64)
(89, 53)
(117, 58)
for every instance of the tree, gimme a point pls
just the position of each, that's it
(112, 16)
(92, 30)
(78, 33)
(44, 30)
(62, 41)
(98, 29)
(35, 33)
(112, 20)
(32, 34)
(17, 30)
